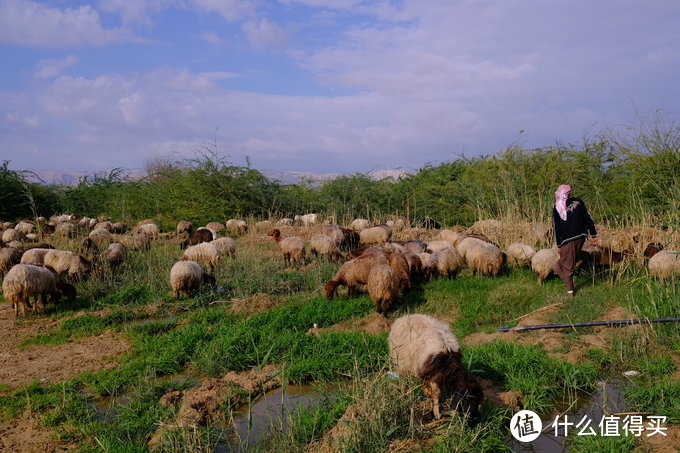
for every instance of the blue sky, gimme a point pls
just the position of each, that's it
(324, 85)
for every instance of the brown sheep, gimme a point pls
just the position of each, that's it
(197, 237)
(383, 287)
(293, 247)
(354, 273)
(399, 264)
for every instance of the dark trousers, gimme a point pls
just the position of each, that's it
(567, 263)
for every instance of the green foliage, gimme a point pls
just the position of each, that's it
(21, 199)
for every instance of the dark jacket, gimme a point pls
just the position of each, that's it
(578, 224)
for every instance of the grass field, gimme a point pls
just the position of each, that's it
(257, 318)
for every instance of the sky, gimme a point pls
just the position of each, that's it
(324, 85)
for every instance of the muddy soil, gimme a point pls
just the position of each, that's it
(25, 435)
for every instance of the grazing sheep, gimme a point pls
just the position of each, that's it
(31, 237)
(119, 228)
(215, 226)
(225, 246)
(9, 256)
(66, 230)
(93, 223)
(6, 226)
(350, 240)
(65, 262)
(425, 347)
(136, 242)
(375, 235)
(397, 247)
(429, 265)
(115, 254)
(285, 222)
(24, 281)
(543, 263)
(359, 224)
(184, 227)
(465, 243)
(213, 233)
(415, 266)
(665, 264)
(100, 237)
(107, 225)
(334, 232)
(25, 227)
(652, 249)
(56, 219)
(600, 257)
(307, 219)
(399, 264)
(35, 256)
(143, 222)
(197, 237)
(322, 245)
(448, 262)
(204, 253)
(485, 259)
(383, 287)
(149, 229)
(236, 226)
(293, 247)
(435, 246)
(519, 255)
(11, 234)
(187, 276)
(449, 236)
(354, 273)
(84, 222)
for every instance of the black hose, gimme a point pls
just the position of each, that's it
(622, 322)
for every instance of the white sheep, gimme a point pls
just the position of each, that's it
(35, 256)
(24, 281)
(543, 263)
(383, 287)
(11, 234)
(307, 219)
(665, 264)
(448, 262)
(184, 227)
(425, 347)
(136, 242)
(187, 276)
(215, 226)
(115, 254)
(435, 246)
(293, 247)
(100, 237)
(449, 236)
(236, 226)
(204, 253)
(25, 227)
(375, 235)
(65, 230)
(150, 229)
(9, 256)
(107, 225)
(225, 246)
(519, 254)
(285, 222)
(323, 245)
(65, 262)
(485, 259)
(359, 224)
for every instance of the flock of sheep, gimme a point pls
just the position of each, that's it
(36, 273)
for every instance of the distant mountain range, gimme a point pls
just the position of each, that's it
(71, 177)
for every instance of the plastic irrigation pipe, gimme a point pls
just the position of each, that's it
(622, 322)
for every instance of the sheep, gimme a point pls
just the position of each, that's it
(65, 230)
(93, 223)
(136, 242)
(119, 228)
(84, 222)
(293, 247)
(448, 262)
(24, 281)
(424, 347)
(465, 243)
(31, 237)
(213, 233)
(11, 234)
(383, 287)
(359, 224)
(414, 246)
(285, 222)
(397, 247)
(429, 265)
(399, 264)
(354, 273)
(484, 258)
(236, 226)
(449, 235)
(435, 246)
(225, 246)
(334, 232)
(322, 245)
(375, 235)
(519, 254)
(65, 262)
(187, 276)
(215, 226)
(184, 227)
(108, 226)
(204, 253)
(115, 254)
(35, 256)
(197, 237)
(25, 227)
(263, 225)
(100, 237)
(142, 222)
(61, 218)
(6, 226)
(9, 256)
(652, 249)
(543, 263)
(14, 244)
(307, 219)
(350, 240)
(150, 229)
(665, 265)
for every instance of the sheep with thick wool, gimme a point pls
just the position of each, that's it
(307, 219)
(205, 254)
(225, 246)
(215, 226)
(435, 246)
(149, 229)
(12, 235)
(323, 245)
(285, 222)
(187, 276)
(383, 287)
(69, 263)
(26, 281)
(399, 265)
(184, 228)
(25, 227)
(429, 265)
(106, 224)
(115, 254)
(543, 263)
(448, 262)
(665, 264)
(100, 237)
(292, 247)
(354, 273)
(425, 347)
(9, 256)
(375, 235)
(359, 224)
(119, 227)
(485, 259)
(519, 254)
(236, 226)
(35, 256)
(136, 242)
(197, 237)
(449, 236)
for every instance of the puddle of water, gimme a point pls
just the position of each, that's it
(607, 400)
(271, 411)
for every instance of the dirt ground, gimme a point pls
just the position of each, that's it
(25, 435)
(19, 367)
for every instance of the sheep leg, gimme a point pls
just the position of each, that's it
(435, 394)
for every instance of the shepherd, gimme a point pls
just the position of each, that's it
(572, 224)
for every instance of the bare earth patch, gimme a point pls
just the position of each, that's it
(24, 435)
(254, 304)
(664, 444)
(373, 323)
(50, 363)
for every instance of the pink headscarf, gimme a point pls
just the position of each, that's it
(561, 200)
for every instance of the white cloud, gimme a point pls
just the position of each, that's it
(231, 10)
(45, 69)
(213, 38)
(265, 34)
(27, 23)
